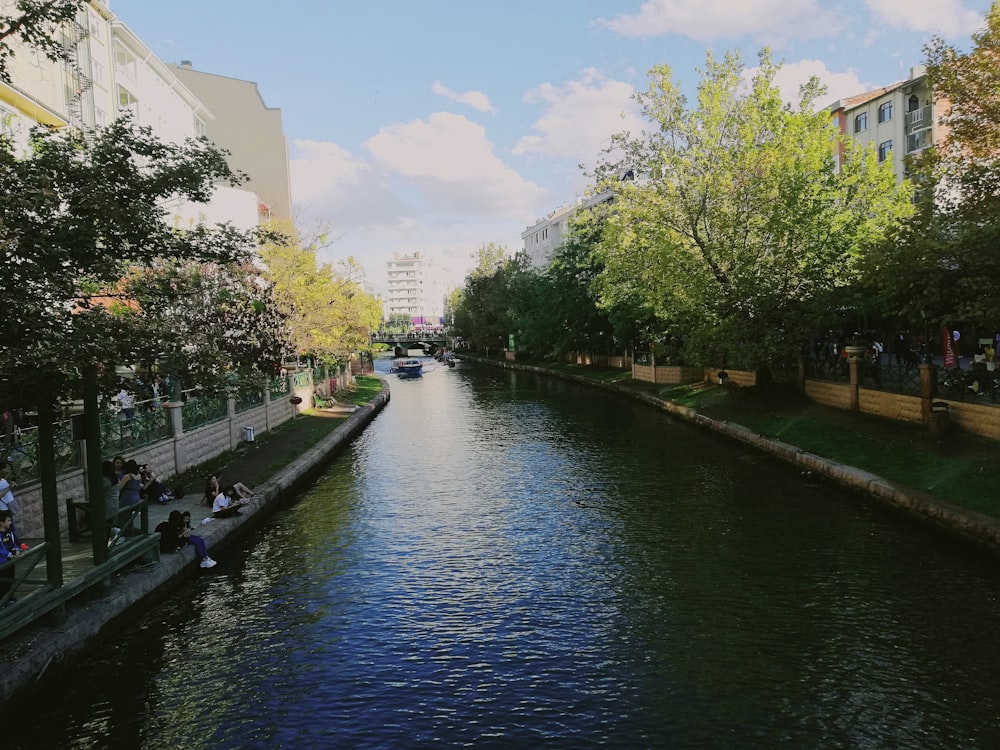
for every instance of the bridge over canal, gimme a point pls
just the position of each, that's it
(401, 343)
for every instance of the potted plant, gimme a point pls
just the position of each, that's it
(856, 346)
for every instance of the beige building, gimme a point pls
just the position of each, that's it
(896, 121)
(250, 130)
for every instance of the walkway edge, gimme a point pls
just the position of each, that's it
(30, 656)
(981, 530)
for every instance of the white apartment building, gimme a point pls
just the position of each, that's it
(417, 287)
(544, 237)
(897, 121)
(112, 71)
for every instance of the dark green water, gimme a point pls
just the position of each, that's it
(505, 561)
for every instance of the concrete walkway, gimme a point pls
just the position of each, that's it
(34, 655)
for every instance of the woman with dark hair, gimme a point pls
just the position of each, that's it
(109, 481)
(175, 534)
(129, 488)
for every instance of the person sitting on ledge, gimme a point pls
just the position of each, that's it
(175, 534)
(227, 504)
(213, 487)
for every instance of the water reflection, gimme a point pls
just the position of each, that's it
(504, 561)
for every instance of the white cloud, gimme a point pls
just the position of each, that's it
(771, 21)
(449, 160)
(432, 186)
(949, 18)
(792, 75)
(316, 166)
(580, 117)
(475, 99)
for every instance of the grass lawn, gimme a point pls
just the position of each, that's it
(960, 468)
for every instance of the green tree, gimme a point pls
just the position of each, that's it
(742, 232)
(944, 263)
(485, 313)
(77, 215)
(328, 311)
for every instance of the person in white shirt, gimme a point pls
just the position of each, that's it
(228, 503)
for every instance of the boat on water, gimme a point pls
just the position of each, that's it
(407, 368)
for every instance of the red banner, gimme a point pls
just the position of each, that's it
(949, 348)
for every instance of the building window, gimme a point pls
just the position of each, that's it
(97, 71)
(124, 62)
(861, 123)
(127, 101)
(94, 24)
(100, 117)
(918, 141)
(200, 128)
(884, 149)
(885, 112)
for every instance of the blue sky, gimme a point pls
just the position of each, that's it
(440, 125)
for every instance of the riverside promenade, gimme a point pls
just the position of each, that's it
(979, 530)
(32, 657)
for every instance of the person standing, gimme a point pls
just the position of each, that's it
(129, 487)
(7, 499)
(9, 549)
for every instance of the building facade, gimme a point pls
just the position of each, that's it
(417, 288)
(544, 237)
(251, 131)
(897, 121)
(111, 72)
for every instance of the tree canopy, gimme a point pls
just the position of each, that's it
(943, 264)
(79, 214)
(742, 230)
(329, 313)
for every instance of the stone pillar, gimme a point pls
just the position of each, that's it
(854, 364)
(176, 416)
(928, 379)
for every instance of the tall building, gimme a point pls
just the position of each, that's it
(110, 72)
(897, 121)
(250, 130)
(417, 287)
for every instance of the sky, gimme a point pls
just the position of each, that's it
(437, 126)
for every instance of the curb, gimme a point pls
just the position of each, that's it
(34, 655)
(968, 525)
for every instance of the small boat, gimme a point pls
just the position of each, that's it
(407, 368)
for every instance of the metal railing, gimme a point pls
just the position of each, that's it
(279, 388)
(202, 410)
(145, 423)
(19, 451)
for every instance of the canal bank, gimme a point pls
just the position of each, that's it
(978, 529)
(36, 655)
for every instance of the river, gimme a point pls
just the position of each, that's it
(506, 561)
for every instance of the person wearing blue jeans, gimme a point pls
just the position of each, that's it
(175, 534)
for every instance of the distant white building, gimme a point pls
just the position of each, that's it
(417, 287)
(544, 237)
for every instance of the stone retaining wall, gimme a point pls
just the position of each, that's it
(173, 455)
(41, 651)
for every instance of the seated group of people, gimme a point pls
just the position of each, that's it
(176, 532)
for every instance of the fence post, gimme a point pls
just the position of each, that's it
(854, 364)
(928, 379)
(234, 439)
(175, 414)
